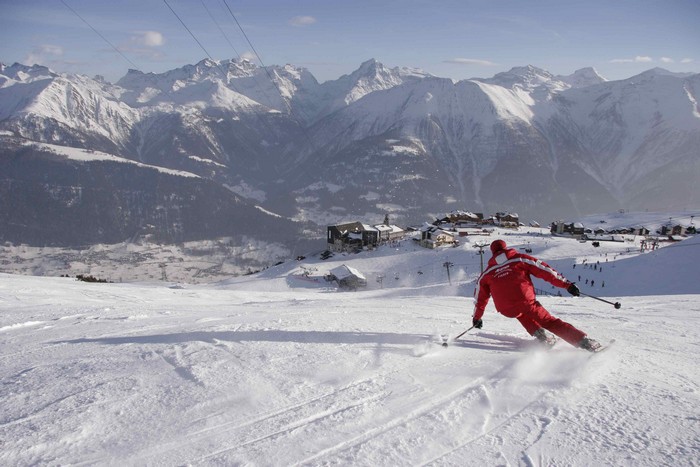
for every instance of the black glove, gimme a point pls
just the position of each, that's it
(573, 290)
(477, 323)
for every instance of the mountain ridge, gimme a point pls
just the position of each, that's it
(378, 140)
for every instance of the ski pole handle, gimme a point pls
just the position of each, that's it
(616, 304)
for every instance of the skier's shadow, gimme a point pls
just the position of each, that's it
(500, 342)
(271, 335)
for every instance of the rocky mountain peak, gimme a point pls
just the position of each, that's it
(525, 77)
(583, 77)
(25, 73)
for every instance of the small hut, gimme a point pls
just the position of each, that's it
(347, 277)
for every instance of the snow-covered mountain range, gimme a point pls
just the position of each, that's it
(273, 153)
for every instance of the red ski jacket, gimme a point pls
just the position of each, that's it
(507, 280)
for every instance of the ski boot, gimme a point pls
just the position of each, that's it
(544, 339)
(590, 344)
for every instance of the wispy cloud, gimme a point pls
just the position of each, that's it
(147, 38)
(43, 54)
(144, 44)
(470, 61)
(248, 55)
(301, 21)
(637, 59)
(646, 59)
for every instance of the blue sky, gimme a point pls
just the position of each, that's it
(457, 39)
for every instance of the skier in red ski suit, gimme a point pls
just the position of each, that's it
(507, 280)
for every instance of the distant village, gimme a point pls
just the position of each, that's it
(353, 237)
(356, 236)
(669, 231)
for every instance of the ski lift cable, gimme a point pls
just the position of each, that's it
(220, 29)
(248, 40)
(99, 34)
(223, 33)
(193, 36)
(218, 65)
(267, 71)
(224, 73)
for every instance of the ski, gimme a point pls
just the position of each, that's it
(603, 347)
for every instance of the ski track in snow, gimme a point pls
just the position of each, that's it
(105, 374)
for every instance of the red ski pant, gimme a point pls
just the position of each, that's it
(536, 316)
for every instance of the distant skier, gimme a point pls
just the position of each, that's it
(507, 279)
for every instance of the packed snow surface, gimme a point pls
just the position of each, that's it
(282, 368)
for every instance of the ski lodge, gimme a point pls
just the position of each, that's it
(355, 236)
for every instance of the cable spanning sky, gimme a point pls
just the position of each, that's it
(456, 39)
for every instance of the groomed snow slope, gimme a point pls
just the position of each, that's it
(264, 371)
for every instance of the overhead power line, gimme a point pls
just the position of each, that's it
(238, 55)
(220, 29)
(246, 37)
(191, 33)
(224, 73)
(98, 33)
(287, 104)
(218, 65)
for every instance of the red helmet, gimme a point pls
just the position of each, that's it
(497, 245)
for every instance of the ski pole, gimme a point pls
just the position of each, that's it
(463, 333)
(616, 304)
(444, 336)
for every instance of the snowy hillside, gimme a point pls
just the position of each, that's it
(281, 368)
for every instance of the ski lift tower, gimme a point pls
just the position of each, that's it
(481, 246)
